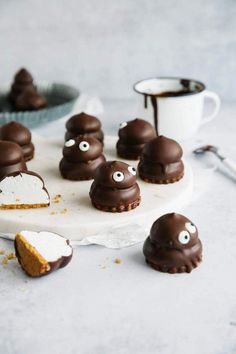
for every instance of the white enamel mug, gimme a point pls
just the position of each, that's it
(180, 104)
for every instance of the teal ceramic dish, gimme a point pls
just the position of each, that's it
(61, 100)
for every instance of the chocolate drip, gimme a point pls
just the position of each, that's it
(185, 90)
(145, 101)
(155, 112)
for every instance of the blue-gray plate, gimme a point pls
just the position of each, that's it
(61, 100)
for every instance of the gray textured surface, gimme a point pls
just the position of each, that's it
(104, 46)
(94, 306)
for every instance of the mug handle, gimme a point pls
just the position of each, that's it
(214, 97)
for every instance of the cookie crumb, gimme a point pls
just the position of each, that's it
(53, 213)
(118, 260)
(5, 261)
(57, 198)
(11, 256)
(2, 252)
(64, 211)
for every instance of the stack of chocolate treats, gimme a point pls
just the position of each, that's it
(24, 95)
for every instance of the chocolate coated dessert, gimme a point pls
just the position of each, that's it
(84, 124)
(161, 161)
(30, 101)
(133, 135)
(41, 253)
(23, 190)
(23, 81)
(173, 245)
(115, 188)
(11, 158)
(81, 157)
(18, 133)
(24, 95)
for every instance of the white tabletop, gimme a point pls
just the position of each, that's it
(97, 306)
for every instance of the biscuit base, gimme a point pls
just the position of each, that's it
(118, 208)
(29, 258)
(161, 181)
(22, 206)
(78, 178)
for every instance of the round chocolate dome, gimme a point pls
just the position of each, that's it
(83, 123)
(137, 131)
(23, 77)
(10, 153)
(115, 174)
(162, 150)
(167, 231)
(16, 133)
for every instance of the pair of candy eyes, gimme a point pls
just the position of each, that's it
(184, 236)
(83, 145)
(119, 176)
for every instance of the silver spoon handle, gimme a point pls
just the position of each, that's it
(230, 164)
(6, 236)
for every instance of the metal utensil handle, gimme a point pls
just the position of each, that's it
(230, 164)
(7, 236)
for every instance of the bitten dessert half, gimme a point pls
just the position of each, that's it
(84, 124)
(40, 253)
(81, 156)
(173, 245)
(11, 158)
(23, 190)
(19, 134)
(133, 135)
(161, 161)
(115, 188)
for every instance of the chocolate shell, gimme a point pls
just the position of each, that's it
(115, 188)
(19, 134)
(23, 81)
(81, 156)
(30, 101)
(41, 253)
(161, 161)
(11, 158)
(23, 77)
(133, 135)
(84, 124)
(173, 245)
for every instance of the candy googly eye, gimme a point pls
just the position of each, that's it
(132, 170)
(190, 227)
(70, 143)
(122, 125)
(84, 146)
(184, 237)
(118, 176)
